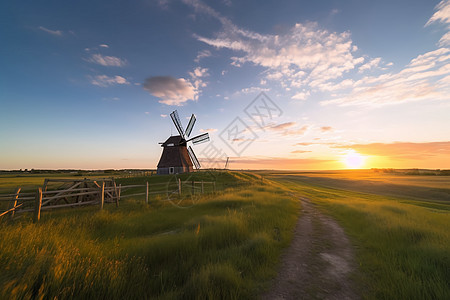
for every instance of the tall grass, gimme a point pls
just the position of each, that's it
(403, 246)
(225, 247)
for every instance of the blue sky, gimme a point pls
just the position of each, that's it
(89, 84)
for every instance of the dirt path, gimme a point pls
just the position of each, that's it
(318, 263)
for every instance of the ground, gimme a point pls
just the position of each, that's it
(319, 261)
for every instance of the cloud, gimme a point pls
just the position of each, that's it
(210, 130)
(170, 91)
(442, 15)
(164, 4)
(253, 89)
(202, 54)
(104, 80)
(197, 78)
(402, 150)
(103, 46)
(199, 72)
(304, 144)
(288, 128)
(415, 82)
(308, 58)
(52, 32)
(306, 55)
(370, 65)
(445, 40)
(326, 128)
(301, 96)
(300, 151)
(282, 126)
(109, 61)
(163, 116)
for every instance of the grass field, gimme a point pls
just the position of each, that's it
(225, 247)
(402, 244)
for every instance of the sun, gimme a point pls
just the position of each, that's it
(354, 160)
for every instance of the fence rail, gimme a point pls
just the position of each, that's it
(92, 192)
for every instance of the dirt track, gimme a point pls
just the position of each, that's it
(318, 262)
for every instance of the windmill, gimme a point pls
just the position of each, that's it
(177, 157)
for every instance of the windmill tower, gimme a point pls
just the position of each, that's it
(177, 157)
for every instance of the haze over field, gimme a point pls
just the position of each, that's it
(354, 84)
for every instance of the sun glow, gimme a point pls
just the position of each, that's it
(354, 160)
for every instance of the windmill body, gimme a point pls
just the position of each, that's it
(177, 157)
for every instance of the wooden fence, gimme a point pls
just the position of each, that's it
(82, 192)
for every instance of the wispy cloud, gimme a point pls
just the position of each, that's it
(210, 130)
(104, 80)
(306, 55)
(308, 59)
(419, 80)
(108, 61)
(103, 46)
(198, 76)
(326, 128)
(370, 65)
(170, 91)
(202, 54)
(288, 129)
(50, 31)
(442, 15)
(300, 151)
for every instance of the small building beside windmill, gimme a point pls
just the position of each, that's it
(175, 158)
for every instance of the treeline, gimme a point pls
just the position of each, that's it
(415, 171)
(75, 172)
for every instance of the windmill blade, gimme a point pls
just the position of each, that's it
(200, 138)
(177, 122)
(190, 125)
(193, 158)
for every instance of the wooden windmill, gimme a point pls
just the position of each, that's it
(177, 157)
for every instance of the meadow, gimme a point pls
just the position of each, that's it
(226, 246)
(402, 241)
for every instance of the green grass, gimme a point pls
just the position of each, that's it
(225, 247)
(403, 246)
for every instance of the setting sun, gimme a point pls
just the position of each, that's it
(353, 160)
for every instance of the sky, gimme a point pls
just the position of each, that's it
(305, 85)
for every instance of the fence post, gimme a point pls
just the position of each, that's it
(193, 187)
(120, 189)
(179, 187)
(14, 202)
(117, 196)
(202, 187)
(214, 186)
(146, 195)
(37, 205)
(103, 196)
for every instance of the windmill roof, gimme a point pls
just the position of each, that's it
(176, 156)
(176, 140)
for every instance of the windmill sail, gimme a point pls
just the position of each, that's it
(190, 125)
(177, 122)
(193, 158)
(200, 138)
